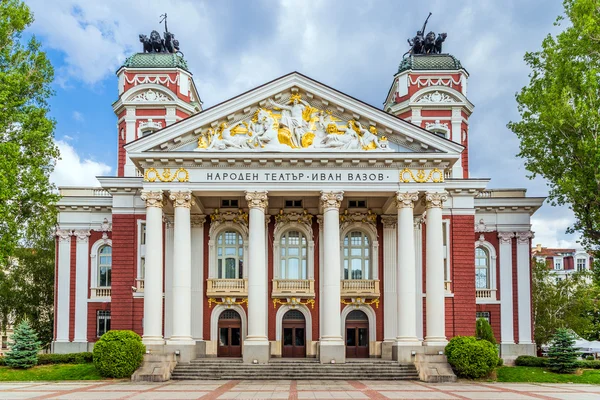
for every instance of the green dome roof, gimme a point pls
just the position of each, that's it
(429, 62)
(155, 60)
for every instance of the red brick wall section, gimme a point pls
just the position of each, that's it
(92, 321)
(121, 154)
(72, 279)
(463, 273)
(465, 153)
(124, 269)
(494, 310)
(515, 291)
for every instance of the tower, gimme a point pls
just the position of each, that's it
(156, 89)
(430, 90)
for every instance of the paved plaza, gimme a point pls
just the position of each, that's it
(294, 390)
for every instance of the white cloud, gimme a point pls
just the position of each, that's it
(550, 229)
(71, 170)
(77, 116)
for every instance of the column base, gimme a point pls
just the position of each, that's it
(386, 349)
(60, 347)
(332, 352)
(435, 341)
(510, 351)
(153, 340)
(256, 351)
(181, 340)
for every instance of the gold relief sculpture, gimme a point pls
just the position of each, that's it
(294, 302)
(240, 216)
(435, 175)
(152, 174)
(359, 301)
(227, 301)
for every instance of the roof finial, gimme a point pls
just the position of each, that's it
(426, 44)
(156, 44)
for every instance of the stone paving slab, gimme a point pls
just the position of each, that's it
(296, 390)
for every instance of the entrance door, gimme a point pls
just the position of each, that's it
(294, 334)
(357, 335)
(230, 334)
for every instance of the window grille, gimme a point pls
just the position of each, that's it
(357, 204)
(293, 248)
(230, 255)
(230, 314)
(357, 315)
(294, 314)
(293, 203)
(483, 314)
(102, 322)
(357, 257)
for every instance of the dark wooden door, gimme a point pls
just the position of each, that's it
(357, 335)
(294, 335)
(230, 334)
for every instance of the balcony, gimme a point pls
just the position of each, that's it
(485, 294)
(367, 288)
(139, 284)
(100, 292)
(226, 288)
(293, 288)
(448, 286)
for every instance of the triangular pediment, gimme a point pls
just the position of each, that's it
(293, 114)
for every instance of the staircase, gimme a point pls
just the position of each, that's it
(294, 369)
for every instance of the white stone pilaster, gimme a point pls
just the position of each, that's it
(390, 293)
(153, 280)
(506, 285)
(169, 245)
(419, 271)
(197, 276)
(63, 285)
(406, 279)
(82, 257)
(434, 285)
(182, 268)
(524, 286)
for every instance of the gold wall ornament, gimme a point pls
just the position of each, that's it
(294, 302)
(239, 217)
(303, 217)
(435, 175)
(152, 174)
(360, 301)
(366, 218)
(227, 301)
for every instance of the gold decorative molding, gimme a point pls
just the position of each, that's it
(435, 175)
(152, 174)
(304, 217)
(227, 301)
(359, 301)
(294, 302)
(239, 217)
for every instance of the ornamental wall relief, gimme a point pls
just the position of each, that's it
(296, 124)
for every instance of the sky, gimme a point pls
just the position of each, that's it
(354, 46)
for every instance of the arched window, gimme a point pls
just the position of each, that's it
(293, 247)
(357, 256)
(482, 268)
(230, 255)
(104, 266)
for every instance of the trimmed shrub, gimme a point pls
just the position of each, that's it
(117, 354)
(24, 350)
(70, 358)
(590, 358)
(562, 355)
(471, 358)
(531, 361)
(588, 364)
(483, 331)
(500, 362)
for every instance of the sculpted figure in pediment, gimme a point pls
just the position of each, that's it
(224, 138)
(264, 133)
(292, 117)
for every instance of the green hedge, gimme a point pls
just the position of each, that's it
(530, 361)
(70, 358)
(471, 358)
(117, 354)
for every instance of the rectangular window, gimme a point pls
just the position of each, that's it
(293, 204)
(357, 204)
(483, 314)
(581, 264)
(558, 263)
(141, 249)
(229, 203)
(102, 322)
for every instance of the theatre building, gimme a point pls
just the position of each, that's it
(293, 220)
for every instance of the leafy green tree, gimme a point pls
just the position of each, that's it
(25, 347)
(562, 355)
(483, 331)
(559, 128)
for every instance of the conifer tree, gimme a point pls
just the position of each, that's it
(562, 353)
(484, 331)
(25, 347)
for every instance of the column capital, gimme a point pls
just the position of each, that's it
(64, 235)
(435, 199)
(257, 199)
(331, 199)
(524, 236)
(406, 199)
(505, 237)
(389, 221)
(153, 198)
(82, 235)
(181, 198)
(198, 221)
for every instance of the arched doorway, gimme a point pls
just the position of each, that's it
(230, 334)
(357, 335)
(293, 337)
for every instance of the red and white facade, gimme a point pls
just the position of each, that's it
(294, 220)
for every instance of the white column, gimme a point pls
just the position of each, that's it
(82, 256)
(524, 285)
(332, 346)
(63, 285)
(256, 345)
(153, 280)
(407, 277)
(197, 276)
(182, 269)
(434, 285)
(168, 284)
(506, 292)
(390, 250)
(419, 270)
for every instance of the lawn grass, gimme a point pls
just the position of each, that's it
(541, 375)
(53, 372)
